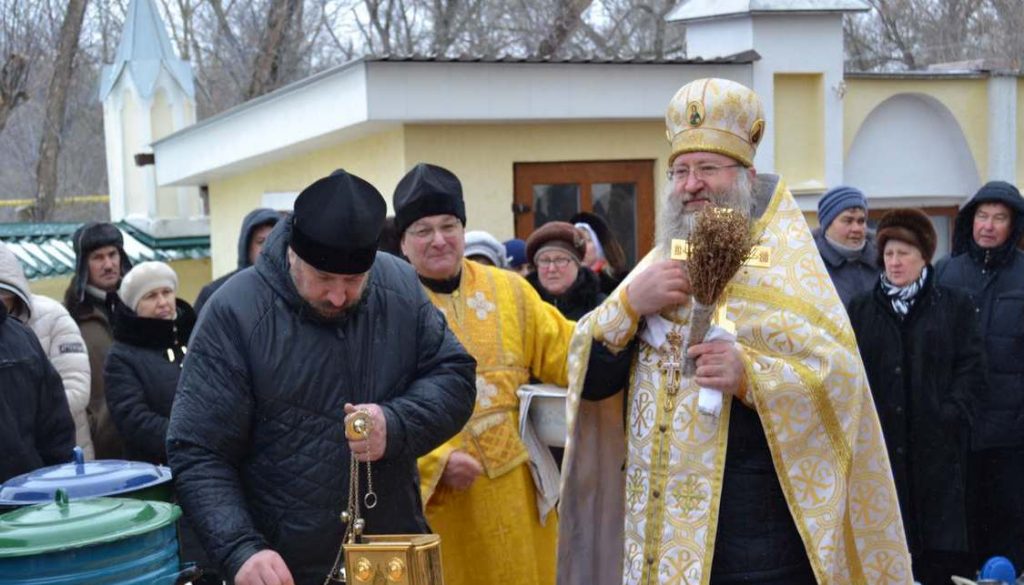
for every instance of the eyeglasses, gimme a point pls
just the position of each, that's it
(699, 172)
(560, 262)
(427, 232)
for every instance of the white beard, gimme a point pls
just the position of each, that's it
(676, 223)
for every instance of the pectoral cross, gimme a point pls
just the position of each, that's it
(671, 367)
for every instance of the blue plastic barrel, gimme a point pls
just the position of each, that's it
(999, 569)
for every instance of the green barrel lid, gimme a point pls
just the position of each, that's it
(62, 525)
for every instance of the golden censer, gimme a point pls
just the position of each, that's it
(379, 559)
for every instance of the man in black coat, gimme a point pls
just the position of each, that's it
(322, 326)
(36, 428)
(987, 265)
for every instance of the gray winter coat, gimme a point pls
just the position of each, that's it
(850, 277)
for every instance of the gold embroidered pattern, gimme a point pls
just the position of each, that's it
(690, 494)
(806, 381)
(492, 531)
(480, 305)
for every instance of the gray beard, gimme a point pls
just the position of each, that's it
(676, 223)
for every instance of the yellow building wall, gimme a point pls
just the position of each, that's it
(800, 129)
(193, 275)
(51, 287)
(378, 158)
(483, 155)
(966, 99)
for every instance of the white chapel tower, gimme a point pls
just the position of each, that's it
(147, 93)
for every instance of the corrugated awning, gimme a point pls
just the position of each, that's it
(46, 251)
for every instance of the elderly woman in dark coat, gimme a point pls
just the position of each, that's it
(151, 329)
(923, 354)
(556, 250)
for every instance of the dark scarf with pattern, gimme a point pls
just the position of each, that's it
(902, 298)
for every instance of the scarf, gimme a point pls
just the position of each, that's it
(846, 251)
(902, 298)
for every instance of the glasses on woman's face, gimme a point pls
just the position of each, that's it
(559, 262)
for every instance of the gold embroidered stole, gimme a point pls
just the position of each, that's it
(804, 377)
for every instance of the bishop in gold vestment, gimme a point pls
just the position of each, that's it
(642, 504)
(491, 526)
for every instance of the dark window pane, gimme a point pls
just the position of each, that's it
(555, 202)
(616, 204)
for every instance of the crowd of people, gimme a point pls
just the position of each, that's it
(869, 425)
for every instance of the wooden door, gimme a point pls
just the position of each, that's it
(621, 192)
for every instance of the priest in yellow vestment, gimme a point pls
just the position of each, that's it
(788, 482)
(496, 526)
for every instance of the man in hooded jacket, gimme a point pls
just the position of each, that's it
(986, 263)
(100, 263)
(320, 327)
(255, 229)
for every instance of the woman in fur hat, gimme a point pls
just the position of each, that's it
(556, 249)
(922, 351)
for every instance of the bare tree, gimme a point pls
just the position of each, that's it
(56, 100)
(266, 72)
(20, 47)
(914, 34)
(569, 15)
(13, 78)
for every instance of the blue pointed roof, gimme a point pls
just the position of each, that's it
(144, 50)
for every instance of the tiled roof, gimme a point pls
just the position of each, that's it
(45, 249)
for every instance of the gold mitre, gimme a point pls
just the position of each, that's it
(715, 115)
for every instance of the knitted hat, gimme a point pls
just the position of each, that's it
(838, 200)
(424, 191)
(337, 222)
(515, 249)
(715, 115)
(556, 234)
(910, 226)
(481, 243)
(145, 277)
